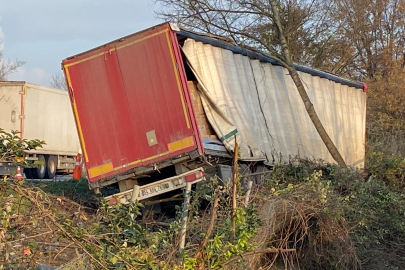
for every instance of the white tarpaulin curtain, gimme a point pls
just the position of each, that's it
(261, 102)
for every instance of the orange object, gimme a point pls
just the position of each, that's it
(27, 251)
(18, 176)
(77, 172)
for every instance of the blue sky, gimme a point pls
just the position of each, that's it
(44, 32)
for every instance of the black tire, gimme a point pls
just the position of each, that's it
(39, 172)
(51, 167)
(28, 173)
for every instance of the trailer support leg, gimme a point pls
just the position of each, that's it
(135, 193)
(184, 217)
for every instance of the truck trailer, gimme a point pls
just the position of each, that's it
(165, 101)
(43, 113)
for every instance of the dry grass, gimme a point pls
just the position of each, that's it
(32, 233)
(303, 222)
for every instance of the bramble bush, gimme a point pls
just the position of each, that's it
(116, 237)
(370, 211)
(331, 217)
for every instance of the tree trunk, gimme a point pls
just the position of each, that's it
(234, 189)
(301, 89)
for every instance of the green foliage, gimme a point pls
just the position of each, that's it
(374, 208)
(77, 191)
(387, 167)
(376, 211)
(13, 148)
(220, 246)
(121, 241)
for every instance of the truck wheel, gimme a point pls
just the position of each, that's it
(51, 165)
(39, 172)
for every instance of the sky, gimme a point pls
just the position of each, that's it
(44, 32)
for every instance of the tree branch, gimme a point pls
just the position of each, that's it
(269, 250)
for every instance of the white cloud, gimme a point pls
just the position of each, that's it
(33, 75)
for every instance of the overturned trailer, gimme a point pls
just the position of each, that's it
(165, 101)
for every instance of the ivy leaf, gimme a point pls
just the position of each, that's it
(114, 260)
(33, 245)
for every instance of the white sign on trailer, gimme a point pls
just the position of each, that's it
(157, 188)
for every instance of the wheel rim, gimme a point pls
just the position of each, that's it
(52, 166)
(42, 169)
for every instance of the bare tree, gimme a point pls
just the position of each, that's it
(8, 66)
(275, 27)
(374, 41)
(58, 81)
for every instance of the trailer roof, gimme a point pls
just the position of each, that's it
(44, 87)
(218, 42)
(264, 58)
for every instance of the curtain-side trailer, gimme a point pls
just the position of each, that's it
(43, 113)
(165, 101)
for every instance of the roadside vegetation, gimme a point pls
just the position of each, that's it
(304, 215)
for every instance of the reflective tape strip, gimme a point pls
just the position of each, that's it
(77, 163)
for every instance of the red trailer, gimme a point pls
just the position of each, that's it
(138, 110)
(131, 103)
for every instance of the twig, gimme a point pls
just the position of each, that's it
(24, 238)
(62, 250)
(52, 219)
(257, 173)
(268, 250)
(165, 224)
(234, 190)
(209, 231)
(163, 200)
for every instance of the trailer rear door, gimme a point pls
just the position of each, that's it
(131, 103)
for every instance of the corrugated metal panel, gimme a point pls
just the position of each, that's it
(259, 56)
(131, 109)
(261, 100)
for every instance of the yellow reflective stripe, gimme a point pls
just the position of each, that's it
(142, 39)
(177, 79)
(181, 144)
(102, 169)
(155, 156)
(79, 128)
(141, 160)
(76, 115)
(85, 59)
(119, 47)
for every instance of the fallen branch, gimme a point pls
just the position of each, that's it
(64, 249)
(234, 189)
(209, 231)
(55, 223)
(28, 237)
(268, 250)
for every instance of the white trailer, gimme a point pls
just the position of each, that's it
(43, 113)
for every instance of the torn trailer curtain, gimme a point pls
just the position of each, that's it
(259, 101)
